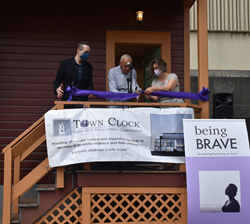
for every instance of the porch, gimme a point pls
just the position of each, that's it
(86, 194)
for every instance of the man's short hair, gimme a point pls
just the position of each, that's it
(80, 45)
(126, 56)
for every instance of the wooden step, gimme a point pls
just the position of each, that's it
(28, 202)
(48, 196)
(46, 187)
(15, 218)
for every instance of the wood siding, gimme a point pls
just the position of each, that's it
(36, 36)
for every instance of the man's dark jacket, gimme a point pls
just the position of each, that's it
(68, 74)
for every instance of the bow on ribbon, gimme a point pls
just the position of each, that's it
(203, 94)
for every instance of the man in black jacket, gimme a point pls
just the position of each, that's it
(75, 72)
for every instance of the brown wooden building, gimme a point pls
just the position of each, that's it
(36, 36)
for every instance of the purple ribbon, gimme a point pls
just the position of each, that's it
(203, 94)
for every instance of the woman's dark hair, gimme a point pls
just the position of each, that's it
(162, 65)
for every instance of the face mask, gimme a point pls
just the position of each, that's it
(84, 56)
(158, 72)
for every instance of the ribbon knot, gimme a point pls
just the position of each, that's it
(204, 94)
(71, 91)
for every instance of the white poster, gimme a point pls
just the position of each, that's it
(133, 134)
(217, 164)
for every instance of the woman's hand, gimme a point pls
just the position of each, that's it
(147, 93)
(149, 90)
(147, 96)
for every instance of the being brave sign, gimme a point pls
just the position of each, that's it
(215, 137)
(221, 141)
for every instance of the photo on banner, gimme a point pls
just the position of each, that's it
(62, 127)
(167, 137)
(217, 170)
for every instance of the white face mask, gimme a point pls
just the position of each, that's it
(158, 72)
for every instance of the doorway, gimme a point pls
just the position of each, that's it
(143, 46)
(142, 54)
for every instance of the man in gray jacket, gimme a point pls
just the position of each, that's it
(123, 78)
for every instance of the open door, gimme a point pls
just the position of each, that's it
(148, 78)
(143, 46)
(140, 54)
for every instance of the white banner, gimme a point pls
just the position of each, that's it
(133, 134)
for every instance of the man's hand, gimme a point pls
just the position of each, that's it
(60, 91)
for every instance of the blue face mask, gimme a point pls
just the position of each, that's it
(84, 56)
